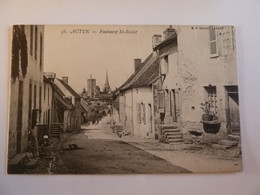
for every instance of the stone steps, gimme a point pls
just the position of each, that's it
(56, 130)
(175, 141)
(172, 133)
(117, 128)
(169, 126)
(178, 136)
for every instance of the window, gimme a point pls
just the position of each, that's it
(143, 113)
(40, 98)
(213, 41)
(31, 40)
(48, 96)
(164, 65)
(44, 92)
(34, 97)
(138, 112)
(211, 98)
(161, 101)
(41, 50)
(30, 105)
(228, 39)
(36, 43)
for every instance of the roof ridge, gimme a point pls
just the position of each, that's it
(149, 61)
(74, 93)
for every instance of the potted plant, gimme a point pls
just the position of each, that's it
(210, 121)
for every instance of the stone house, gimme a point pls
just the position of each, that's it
(136, 106)
(70, 116)
(197, 66)
(114, 110)
(26, 85)
(47, 103)
(84, 110)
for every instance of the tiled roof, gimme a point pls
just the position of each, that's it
(59, 95)
(74, 93)
(63, 102)
(84, 104)
(145, 74)
(57, 90)
(60, 98)
(148, 76)
(131, 77)
(46, 80)
(172, 37)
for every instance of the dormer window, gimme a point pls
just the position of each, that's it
(164, 65)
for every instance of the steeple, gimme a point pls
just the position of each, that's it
(106, 86)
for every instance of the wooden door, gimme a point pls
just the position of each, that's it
(233, 109)
(49, 121)
(173, 105)
(150, 118)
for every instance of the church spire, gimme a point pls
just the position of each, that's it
(106, 86)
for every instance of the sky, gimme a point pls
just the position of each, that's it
(78, 51)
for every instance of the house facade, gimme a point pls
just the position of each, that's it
(26, 85)
(72, 116)
(197, 67)
(47, 103)
(136, 98)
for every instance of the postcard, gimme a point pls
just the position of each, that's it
(123, 99)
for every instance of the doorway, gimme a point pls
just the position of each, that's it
(19, 118)
(30, 109)
(173, 105)
(233, 120)
(150, 119)
(48, 121)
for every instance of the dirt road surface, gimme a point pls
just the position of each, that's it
(102, 152)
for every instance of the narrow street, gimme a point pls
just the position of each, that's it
(102, 152)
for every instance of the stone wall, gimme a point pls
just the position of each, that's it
(145, 126)
(34, 77)
(197, 70)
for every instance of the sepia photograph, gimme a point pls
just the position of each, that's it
(123, 99)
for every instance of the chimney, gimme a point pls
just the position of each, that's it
(65, 80)
(50, 75)
(169, 31)
(156, 40)
(138, 62)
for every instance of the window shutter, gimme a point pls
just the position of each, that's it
(144, 114)
(164, 65)
(36, 43)
(138, 112)
(31, 40)
(161, 102)
(213, 41)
